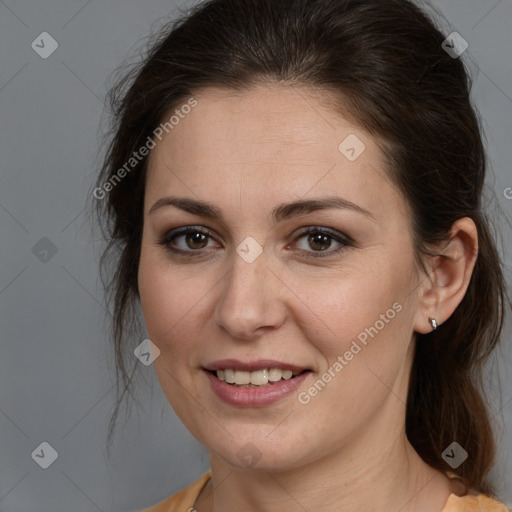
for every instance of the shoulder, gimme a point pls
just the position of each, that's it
(474, 503)
(183, 500)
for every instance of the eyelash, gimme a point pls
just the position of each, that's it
(343, 240)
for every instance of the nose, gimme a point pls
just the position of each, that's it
(252, 300)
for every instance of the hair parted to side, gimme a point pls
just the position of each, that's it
(383, 62)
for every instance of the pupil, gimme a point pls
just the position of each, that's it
(195, 238)
(320, 240)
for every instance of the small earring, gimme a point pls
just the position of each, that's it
(433, 323)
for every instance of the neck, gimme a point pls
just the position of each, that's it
(371, 476)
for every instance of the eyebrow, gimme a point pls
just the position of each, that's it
(281, 212)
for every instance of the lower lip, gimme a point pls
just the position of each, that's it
(255, 396)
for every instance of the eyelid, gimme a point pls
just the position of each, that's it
(344, 240)
(172, 234)
(332, 232)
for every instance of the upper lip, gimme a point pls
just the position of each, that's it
(250, 366)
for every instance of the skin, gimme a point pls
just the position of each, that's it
(246, 153)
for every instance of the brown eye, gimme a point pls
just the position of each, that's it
(196, 240)
(186, 240)
(319, 241)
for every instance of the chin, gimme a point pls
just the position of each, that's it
(257, 451)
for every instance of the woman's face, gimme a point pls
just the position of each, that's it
(249, 286)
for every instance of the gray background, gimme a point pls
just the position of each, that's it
(56, 382)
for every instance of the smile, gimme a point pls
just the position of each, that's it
(256, 378)
(255, 384)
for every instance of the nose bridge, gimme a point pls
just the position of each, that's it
(249, 301)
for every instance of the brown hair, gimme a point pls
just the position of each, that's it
(384, 62)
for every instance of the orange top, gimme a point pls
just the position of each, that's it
(183, 501)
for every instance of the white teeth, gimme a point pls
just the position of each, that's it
(259, 377)
(275, 374)
(287, 374)
(229, 376)
(255, 378)
(242, 377)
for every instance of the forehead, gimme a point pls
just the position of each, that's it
(277, 120)
(270, 139)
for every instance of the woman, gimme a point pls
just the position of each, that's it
(295, 189)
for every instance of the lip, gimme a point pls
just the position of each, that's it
(254, 396)
(260, 364)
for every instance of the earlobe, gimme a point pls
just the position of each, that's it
(433, 323)
(450, 273)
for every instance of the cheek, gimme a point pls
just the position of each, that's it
(360, 325)
(170, 305)
(168, 301)
(356, 302)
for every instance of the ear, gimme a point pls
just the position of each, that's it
(449, 275)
